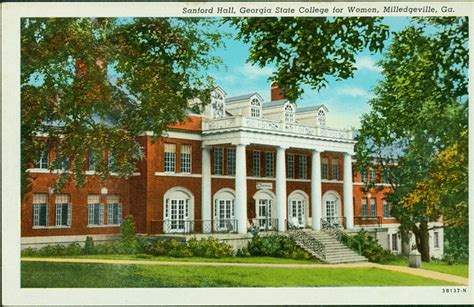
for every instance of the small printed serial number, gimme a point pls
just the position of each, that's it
(454, 290)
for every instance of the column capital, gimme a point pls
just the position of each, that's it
(314, 150)
(282, 147)
(240, 143)
(349, 153)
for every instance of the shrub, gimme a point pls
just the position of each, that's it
(89, 246)
(274, 246)
(128, 238)
(108, 248)
(366, 245)
(208, 248)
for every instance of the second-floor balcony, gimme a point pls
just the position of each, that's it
(237, 122)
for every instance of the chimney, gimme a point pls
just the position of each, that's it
(276, 93)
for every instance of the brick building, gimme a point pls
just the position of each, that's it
(241, 163)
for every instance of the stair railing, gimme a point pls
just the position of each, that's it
(338, 233)
(308, 242)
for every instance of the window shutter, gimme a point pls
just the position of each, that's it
(167, 208)
(35, 215)
(90, 219)
(69, 214)
(101, 214)
(119, 218)
(232, 208)
(187, 209)
(215, 209)
(58, 214)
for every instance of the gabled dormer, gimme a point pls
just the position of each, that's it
(248, 105)
(216, 107)
(312, 115)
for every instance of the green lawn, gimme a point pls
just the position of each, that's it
(74, 275)
(145, 257)
(438, 266)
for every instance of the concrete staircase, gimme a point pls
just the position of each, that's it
(325, 247)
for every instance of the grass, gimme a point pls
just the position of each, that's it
(146, 257)
(74, 275)
(457, 269)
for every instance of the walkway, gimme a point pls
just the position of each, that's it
(402, 269)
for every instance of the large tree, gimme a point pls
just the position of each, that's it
(306, 51)
(417, 129)
(91, 85)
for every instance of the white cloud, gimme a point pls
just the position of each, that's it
(366, 62)
(254, 72)
(352, 91)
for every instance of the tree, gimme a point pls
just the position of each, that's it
(91, 85)
(308, 50)
(417, 128)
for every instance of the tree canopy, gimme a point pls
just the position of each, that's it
(418, 126)
(308, 50)
(91, 85)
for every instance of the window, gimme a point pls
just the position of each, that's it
(91, 162)
(302, 166)
(218, 160)
(63, 210)
(386, 209)
(230, 161)
(95, 210)
(324, 168)
(394, 242)
(290, 166)
(40, 209)
(363, 176)
(114, 210)
(43, 160)
(373, 207)
(62, 164)
(385, 176)
(335, 169)
(111, 162)
(436, 239)
(256, 163)
(269, 164)
(372, 175)
(321, 118)
(186, 159)
(365, 208)
(255, 108)
(170, 157)
(289, 114)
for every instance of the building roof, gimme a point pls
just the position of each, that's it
(275, 103)
(308, 108)
(233, 99)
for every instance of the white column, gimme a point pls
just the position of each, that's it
(347, 189)
(280, 188)
(240, 206)
(316, 190)
(206, 188)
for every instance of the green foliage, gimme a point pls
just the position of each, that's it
(456, 244)
(306, 51)
(207, 248)
(54, 250)
(89, 246)
(273, 246)
(419, 115)
(93, 84)
(366, 245)
(128, 238)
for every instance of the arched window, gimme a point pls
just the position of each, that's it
(217, 104)
(321, 118)
(255, 108)
(332, 208)
(289, 113)
(178, 211)
(224, 214)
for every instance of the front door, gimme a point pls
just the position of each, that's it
(297, 213)
(224, 214)
(331, 212)
(264, 214)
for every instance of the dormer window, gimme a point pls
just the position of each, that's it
(321, 118)
(289, 114)
(217, 104)
(255, 108)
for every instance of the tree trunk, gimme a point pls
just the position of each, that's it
(406, 244)
(422, 239)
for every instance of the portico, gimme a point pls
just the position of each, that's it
(242, 132)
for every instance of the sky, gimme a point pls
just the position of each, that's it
(346, 100)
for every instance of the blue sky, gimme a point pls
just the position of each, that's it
(346, 100)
